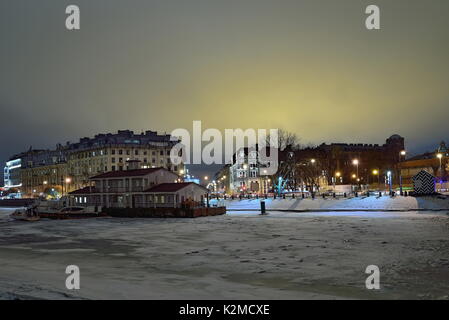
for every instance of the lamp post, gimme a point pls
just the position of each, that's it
(401, 158)
(337, 175)
(356, 163)
(440, 157)
(67, 182)
(376, 173)
(312, 191)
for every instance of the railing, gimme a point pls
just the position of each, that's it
(122, 189)
(149, 204)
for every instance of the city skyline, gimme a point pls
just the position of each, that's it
(309, 67)
(224, 157)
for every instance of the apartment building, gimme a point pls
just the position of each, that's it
(69, 167)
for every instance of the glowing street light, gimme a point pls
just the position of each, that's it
(402, 157)
(440, 157)
(356, 163)
(376, 173)
(67, 180)
(206, 178)
(312, 161)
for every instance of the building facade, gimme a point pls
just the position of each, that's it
(246, 174)
(352, 162)
(436, 163)
(12, 173)
(319, 167)
(139, 188)
(69, 167)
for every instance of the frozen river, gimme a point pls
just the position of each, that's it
(242, 255)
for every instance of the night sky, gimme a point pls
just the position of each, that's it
(310, 67)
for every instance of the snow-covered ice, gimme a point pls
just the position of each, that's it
(241, 255)
(384, 203)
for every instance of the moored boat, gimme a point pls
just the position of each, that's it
(73, 212)
(27, 214)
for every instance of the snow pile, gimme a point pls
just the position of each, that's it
(283, 255)
(374, 203)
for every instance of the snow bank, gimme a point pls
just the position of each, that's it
(384, 203)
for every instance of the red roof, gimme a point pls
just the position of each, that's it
(126, 173)
(171, 187)
(85, 190)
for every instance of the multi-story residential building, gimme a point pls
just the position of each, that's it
(246, 174)
(70, 166)
(336, 163)
(357, 161)
(12, 173)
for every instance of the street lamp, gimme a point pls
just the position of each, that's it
(376, 173)
(440, 157)
(312, 161)
(337, 175)
(402, 153)
(67, 182)
(356, 163)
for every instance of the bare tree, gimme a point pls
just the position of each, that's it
(286, 139)
(309, 173)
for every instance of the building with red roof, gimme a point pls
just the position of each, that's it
(139, 188)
